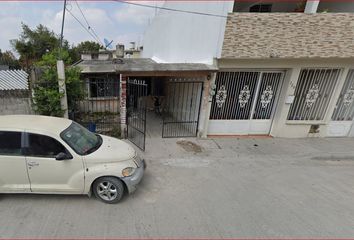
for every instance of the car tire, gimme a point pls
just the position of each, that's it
(108, 189)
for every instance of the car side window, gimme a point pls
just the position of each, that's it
(10, 143)
(43, 146)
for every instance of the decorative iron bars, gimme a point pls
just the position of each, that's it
(98, 110)
(181, 115)
(313, 93)
(344, 110)
(269, 87)
(245, 95)
(136, 112)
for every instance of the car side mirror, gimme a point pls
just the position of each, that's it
(62, 156)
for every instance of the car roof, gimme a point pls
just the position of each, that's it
(34, 122)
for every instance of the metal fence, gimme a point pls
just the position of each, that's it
(344, 110)
(98, 110)
(136, 112)
(313, 93)
(245, 95)
(181, 116)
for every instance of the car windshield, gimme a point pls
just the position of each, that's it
(81, 140)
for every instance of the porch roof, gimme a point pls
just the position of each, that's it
(138, 65)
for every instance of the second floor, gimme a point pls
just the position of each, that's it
(307, 28)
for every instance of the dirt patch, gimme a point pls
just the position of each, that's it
(190, 146)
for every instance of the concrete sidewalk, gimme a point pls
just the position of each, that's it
(212, 188)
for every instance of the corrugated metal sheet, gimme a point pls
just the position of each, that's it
(13, 80)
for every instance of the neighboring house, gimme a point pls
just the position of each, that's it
(286, 69)
(144, 86)
(15, 96)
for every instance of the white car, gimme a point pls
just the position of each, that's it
(49, 155)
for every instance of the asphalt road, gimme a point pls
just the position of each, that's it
(226, 188)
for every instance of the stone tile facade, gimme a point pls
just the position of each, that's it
(289, 35)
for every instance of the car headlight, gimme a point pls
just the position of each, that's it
(128, 171)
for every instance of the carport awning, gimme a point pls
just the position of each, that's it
(139, 65)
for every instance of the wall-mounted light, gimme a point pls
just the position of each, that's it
(212, 89)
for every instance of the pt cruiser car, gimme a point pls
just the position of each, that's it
(49, 155)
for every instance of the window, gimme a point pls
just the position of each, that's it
(344, 110)
(10, 143)
(80, 139)
(261, 8)
(312, 94)
(43, 146)
(103, 87)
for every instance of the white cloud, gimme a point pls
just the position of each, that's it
(119, 22)
(138, 14)
(73, 31)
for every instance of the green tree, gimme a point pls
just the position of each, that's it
(46, 99)
(9, 59)
(87, 46)
(34, 43)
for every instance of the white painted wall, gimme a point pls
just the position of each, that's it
(332, 6)
(281, 126)
(177, 37)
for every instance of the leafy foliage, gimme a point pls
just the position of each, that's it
(39, 47)
(46, 99)
(34, 43)
(9, 59)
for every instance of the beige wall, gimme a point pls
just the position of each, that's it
(281, 126)
(288, 35)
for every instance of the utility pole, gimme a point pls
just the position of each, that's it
(61, 71)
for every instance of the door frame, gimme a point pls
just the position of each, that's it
(229, 124)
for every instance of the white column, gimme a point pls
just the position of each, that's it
(311, 6)
(209, 99)
(62, 87)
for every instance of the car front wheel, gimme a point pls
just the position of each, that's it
(108, 189)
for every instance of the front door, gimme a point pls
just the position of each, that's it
(13, 171)
(343, 115)
(245, 102)
(46, 174)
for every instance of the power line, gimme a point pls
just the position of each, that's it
(171, 9)
(82, 25)
(88, 25)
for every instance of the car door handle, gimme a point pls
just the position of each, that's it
(32, 164)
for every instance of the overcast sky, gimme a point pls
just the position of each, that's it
(115, 21)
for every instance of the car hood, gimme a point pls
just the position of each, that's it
(111, 150)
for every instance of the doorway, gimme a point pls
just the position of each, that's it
(245, 102)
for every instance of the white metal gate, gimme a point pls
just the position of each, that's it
(343, 114)
(244, 102)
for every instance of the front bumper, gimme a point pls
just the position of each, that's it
(132, 181)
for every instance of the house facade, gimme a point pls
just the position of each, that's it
(285, 69)
(155, 99)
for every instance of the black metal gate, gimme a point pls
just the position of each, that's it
(136, 112)
(181, 113)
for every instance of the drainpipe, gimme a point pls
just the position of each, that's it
(311, 6)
